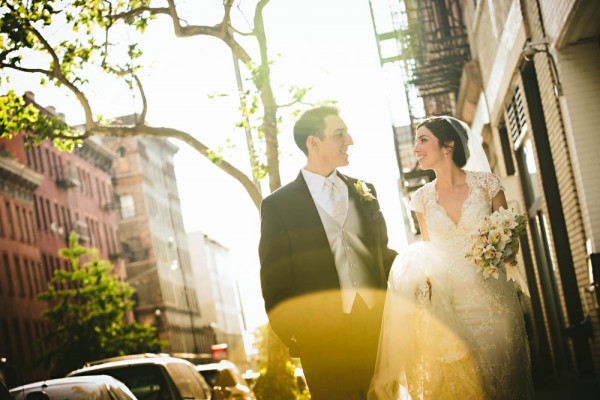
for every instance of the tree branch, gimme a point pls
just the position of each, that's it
(294, 103)
(240, 32)
(28, 70)
(57, 74)
(137, 11)
(161, 132)
(144, 100)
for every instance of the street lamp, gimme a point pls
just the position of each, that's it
(530, 50)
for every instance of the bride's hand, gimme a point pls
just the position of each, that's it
(423, 292)
(512, 260)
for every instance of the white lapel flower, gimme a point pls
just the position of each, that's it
(363, 190)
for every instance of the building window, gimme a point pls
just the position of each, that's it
(9, 219)
(8, 274)
(55, 165)
(1, 224)
(29, 276)
(517, 123)
(7, 339)
(49, 213)
(6, 268)
(20, 283)
(49, 161)
(18, 336)
(127, 206)
(37, 280)
(28, 158)
(121, 151)
(19, 227)
(66, 223)
(41, 159)
(26, 226)
(98, 192)
(47, 269)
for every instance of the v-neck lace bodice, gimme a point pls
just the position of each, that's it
(483, 187)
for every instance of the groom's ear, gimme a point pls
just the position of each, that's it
(312, 142)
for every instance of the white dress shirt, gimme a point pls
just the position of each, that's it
(336, 203)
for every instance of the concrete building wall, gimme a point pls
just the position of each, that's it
(579, 69)
(217, 293)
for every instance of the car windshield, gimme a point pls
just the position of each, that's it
(210, 375)
(226, 379)
(187, 381)
(147, 382)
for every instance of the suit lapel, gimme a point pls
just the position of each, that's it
(303, 203)
(367, 210)
(305, 215)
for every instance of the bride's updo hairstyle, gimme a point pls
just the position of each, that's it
(449, 129)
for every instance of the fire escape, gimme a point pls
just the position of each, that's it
(425, 42)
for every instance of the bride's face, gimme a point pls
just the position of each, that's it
(427, 149)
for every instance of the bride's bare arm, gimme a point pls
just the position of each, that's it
(423, 226)
(498, 201)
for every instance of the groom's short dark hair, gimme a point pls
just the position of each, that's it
(312, 123)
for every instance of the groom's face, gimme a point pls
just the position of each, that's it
(332, 149)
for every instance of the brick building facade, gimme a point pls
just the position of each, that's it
(44, 195)
(154, 242)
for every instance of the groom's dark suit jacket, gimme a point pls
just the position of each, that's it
(297, 262)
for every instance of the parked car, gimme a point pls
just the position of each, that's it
(152, 376)
(98, 387)
(226, 381)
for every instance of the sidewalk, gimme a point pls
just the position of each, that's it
(585, 390)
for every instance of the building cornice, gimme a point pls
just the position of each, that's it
(17, 179)
(97, 154)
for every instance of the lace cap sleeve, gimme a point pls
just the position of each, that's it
(416, 201)
(494, 185)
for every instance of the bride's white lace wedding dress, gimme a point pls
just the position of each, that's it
(447, 332)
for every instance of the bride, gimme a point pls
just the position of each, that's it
(447, 332)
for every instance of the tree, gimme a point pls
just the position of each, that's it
(277, 378)
(87, 310)
(24, 28)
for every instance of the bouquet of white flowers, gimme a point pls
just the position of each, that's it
(496, 241)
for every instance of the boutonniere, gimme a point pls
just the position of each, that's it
(363, 191)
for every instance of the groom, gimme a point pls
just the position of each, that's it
(324, 263)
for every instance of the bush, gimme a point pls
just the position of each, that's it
(277, 383)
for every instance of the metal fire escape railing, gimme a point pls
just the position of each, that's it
(426, 43)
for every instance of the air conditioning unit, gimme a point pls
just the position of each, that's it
(68, 178)
(82, 229)
(113, 204)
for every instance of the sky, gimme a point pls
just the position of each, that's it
(327, 45)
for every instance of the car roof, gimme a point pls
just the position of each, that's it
(160, 360)
(99, 379)
(215, 366)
